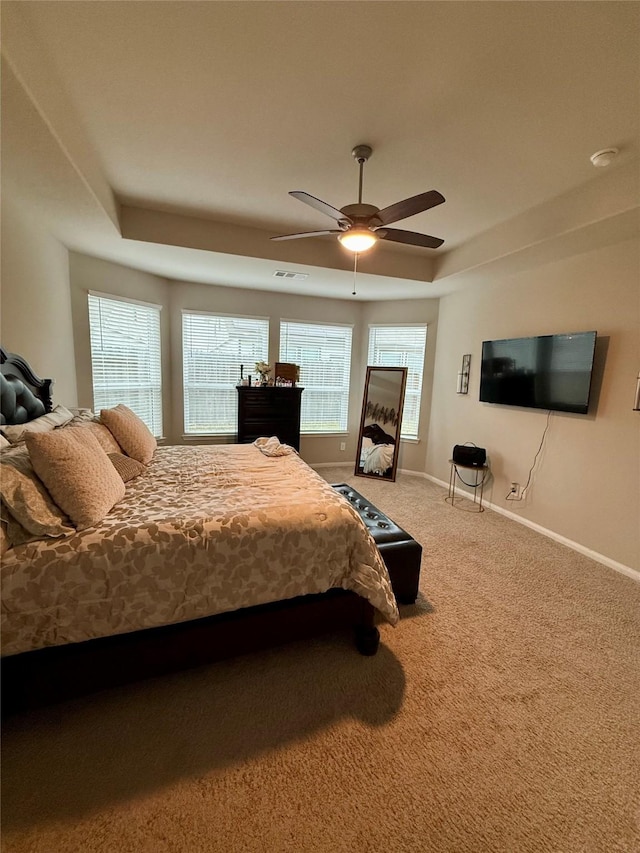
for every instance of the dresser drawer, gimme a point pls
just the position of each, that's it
(267, 399)
(269, 411)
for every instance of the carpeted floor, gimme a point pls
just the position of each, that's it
(502, 714)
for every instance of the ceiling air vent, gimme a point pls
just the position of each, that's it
(296, 276)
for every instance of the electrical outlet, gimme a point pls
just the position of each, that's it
(343, 445)
(515, 490)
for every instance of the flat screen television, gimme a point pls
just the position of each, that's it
(544, 372)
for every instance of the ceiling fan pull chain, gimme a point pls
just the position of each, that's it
(355, 267)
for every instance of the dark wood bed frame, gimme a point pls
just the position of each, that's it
(56, 673)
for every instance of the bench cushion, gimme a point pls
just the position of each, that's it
(400, 552)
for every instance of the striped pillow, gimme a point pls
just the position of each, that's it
(127, 467)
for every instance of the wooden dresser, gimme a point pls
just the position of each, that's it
(269, 411)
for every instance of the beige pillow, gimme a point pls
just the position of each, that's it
(105, 439)
(17, 432)
(131, 433)
(77, 473)
(86, 414)
(17, 534)
(4, 442)
(5, 542)
(26, 498)
(127, 467)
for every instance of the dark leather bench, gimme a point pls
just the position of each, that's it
(400, 552)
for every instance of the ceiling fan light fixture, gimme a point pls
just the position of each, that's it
(358, 239)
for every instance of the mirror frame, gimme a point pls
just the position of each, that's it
(359, 472)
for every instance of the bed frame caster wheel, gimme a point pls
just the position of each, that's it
(367, 640)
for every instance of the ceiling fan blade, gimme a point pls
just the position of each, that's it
(307, 234)
(411, 238)
(320, 205)
(410, 206)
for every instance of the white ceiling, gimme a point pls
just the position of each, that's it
(166, 135)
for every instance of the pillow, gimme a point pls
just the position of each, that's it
(26, 498)
(5, 542)
(77, 472)
(17, 534)
(131, 433)
(127, 467)
(86, 414)
(105, 439)
(4, 442)
(17, 432)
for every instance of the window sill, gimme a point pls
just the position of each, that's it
(222, 438)
(321, 434)
(410, 440)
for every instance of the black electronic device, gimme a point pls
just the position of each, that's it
(543, 372)
(469, 456)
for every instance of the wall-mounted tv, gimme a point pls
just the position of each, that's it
(544, 372)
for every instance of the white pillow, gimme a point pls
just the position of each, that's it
(17, 432)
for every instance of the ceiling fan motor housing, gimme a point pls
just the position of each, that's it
(362, 214)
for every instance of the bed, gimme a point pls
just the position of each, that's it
(212, 550)
(377, 450)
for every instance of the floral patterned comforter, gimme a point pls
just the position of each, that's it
(203, 530)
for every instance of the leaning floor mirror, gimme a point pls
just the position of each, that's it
(379, 437)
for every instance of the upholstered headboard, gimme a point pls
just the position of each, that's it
(23, 395)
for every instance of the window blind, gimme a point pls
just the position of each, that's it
(213, 348)
(323, 353)
(125, 357)
(402, 346)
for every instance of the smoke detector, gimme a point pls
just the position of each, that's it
(604, 157)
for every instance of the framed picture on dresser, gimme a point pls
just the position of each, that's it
(287, 372)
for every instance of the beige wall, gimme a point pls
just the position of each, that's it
(35, 309)
(275, 306)
(92, 274)
(585, 483)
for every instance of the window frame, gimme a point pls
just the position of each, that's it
(397, 328)
(155, 411)
(309, 387)
(230, 427)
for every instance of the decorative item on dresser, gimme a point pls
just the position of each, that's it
(269, 411)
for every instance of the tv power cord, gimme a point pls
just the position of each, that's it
(510, 496)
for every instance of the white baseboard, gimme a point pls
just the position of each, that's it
(551, 534)
(351, 463)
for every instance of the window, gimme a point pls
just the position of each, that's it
(323, 353)
(125, 357)
(213, 348)
(402, 346)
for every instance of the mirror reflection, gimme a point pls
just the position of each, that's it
(379, 438)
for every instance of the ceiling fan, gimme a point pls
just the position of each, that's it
(360, 225)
